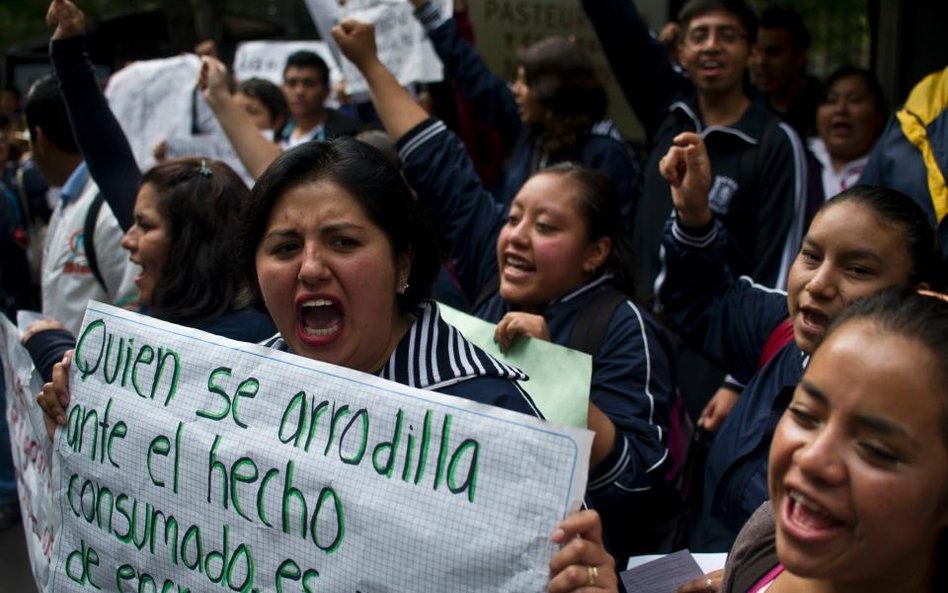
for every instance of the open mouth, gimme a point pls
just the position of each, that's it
(814, 322)
(320, 318)
(841, 127)
(711, 67)
(516, 267)
(807, 516)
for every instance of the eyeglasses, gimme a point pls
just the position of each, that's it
(727, 35)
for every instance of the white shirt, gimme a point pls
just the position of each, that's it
(835, 182)
(67, 281)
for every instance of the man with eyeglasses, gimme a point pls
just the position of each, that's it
(757, 162)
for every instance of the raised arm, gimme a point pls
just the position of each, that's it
(490, 96)
(641, 64)
(103, 144)
(253, 149)
(726, 319)
(435, 163)
(397, 110)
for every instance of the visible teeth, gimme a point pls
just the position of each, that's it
(327, 331)
(517, 262)
(317, 303)
(805, 502)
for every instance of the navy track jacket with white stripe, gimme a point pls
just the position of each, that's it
(632, 376)
(729, 321)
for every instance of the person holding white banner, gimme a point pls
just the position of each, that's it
(344, 262)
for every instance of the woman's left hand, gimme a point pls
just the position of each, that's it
(582, 564)
(518, 324)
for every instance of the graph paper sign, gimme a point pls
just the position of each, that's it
(30, 450)
(194, 462)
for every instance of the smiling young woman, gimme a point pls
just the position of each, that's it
(859, 461)
(860, 242)
(558, 251)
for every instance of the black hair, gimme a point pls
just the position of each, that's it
(201, 200)
(271, 97)
(46, 109)
(376, 184)
(787, 19)
(308, 59)
(599, 205)
(895, 208)
(739, 8)
(872, 84)
(562, 79)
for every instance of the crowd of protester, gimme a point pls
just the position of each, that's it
(775, 253)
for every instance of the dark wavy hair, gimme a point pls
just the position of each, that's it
(201, 200)
(599, 206)
(373, 181)
(562, 79)
(895, 208)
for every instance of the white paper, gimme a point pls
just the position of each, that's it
(402, 43)
(476, 515)
(155, 99)
(212, 146)
(31, 452)
(267, 59)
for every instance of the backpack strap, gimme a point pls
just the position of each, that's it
(88, 238)
(778, 338)
(593, 321)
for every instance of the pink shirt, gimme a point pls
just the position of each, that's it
(768, 579)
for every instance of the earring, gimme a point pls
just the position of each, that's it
(403, 288)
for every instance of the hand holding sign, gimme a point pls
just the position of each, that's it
(516, 324)
(583, 564)
(54, 398)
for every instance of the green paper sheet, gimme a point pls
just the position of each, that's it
(559, 376)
